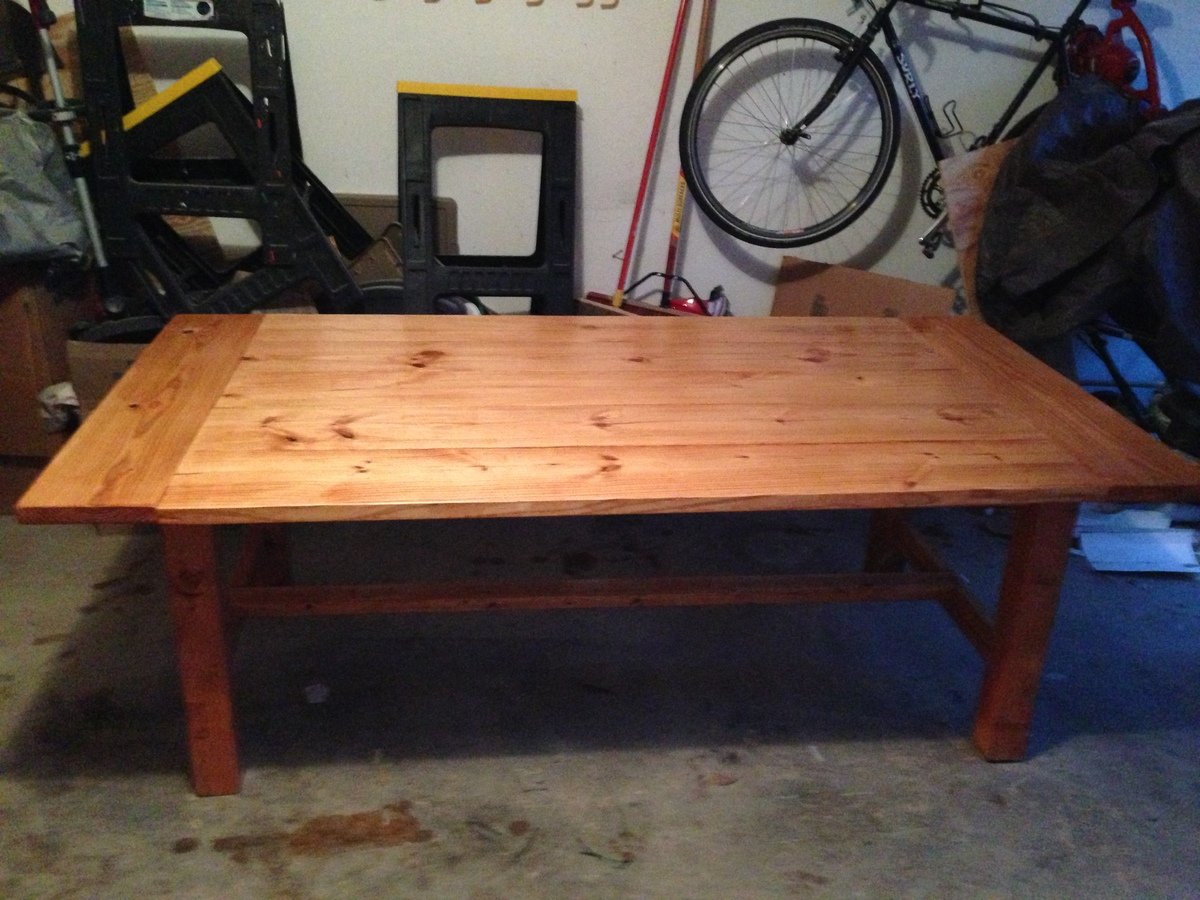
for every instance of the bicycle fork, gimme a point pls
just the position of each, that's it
(848, 58)
(880, 22)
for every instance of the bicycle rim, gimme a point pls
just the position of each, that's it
(746, 177)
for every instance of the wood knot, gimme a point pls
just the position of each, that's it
(958, 414)
(424, 358)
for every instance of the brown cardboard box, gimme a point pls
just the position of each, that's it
(377, 212)
(967, 180)
(807, 288)
(96, 367)
(33, 336)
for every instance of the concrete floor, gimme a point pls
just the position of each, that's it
(742, 752)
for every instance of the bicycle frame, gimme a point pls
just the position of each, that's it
(881, 22)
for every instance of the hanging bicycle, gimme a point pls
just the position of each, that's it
(791, 129)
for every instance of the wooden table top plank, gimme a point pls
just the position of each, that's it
(415, 363)
(583, 332)
(561, 372)
(426, 426)
(687, 352)
(563, 480)
(551, 359)
(117, 465)
(278, 390)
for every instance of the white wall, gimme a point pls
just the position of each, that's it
(348, 55)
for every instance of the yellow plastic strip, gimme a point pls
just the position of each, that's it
(197, 76)
(487, 92)
(164, 98)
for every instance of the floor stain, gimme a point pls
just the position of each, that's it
(518, 827)
(132, 573)
(807, 879)
(45, 639)
(242, 847)
(620, 851)
(326, 835)
(112, 600)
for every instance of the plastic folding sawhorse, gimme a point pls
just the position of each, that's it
(137, 186)
(547, 275)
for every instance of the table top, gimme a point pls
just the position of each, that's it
(227, 419)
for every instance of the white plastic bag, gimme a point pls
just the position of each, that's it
(39, 213)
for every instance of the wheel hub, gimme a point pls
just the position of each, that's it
(789, 136)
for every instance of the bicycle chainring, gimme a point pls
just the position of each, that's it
(933, 195)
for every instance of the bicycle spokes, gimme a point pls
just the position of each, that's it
(776, 154)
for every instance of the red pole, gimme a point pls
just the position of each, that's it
(680, 19)
(703, 42)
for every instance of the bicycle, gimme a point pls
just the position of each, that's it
(791, 129)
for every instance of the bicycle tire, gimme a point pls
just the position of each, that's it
(743, 174)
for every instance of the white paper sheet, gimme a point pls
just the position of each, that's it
(1167, 550)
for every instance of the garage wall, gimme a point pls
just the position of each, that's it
(348, 55)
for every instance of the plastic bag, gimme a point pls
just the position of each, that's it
(39, 213)
(1094, 214)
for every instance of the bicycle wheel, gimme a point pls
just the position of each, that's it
(747, 174)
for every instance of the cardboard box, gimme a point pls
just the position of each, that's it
(377, 212)
(967, 180)
(33, 334)
(807, 288)
(97, 367)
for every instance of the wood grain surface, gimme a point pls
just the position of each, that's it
(116, 466)
(361, 417)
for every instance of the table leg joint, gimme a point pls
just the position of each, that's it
(893, 542)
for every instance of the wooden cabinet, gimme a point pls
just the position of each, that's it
(33, 354)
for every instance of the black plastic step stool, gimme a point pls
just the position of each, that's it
(546, 276)
(267, 182)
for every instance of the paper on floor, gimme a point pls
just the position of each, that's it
(1166, 550)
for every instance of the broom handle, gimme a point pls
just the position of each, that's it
(703, 43)
(668, 74)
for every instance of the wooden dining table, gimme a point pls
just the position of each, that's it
(265, 420)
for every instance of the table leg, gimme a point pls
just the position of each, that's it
(1033, 574)
(196, 608)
